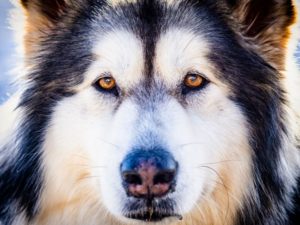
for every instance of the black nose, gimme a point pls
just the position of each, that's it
(149, 173)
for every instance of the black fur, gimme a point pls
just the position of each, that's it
(66, 54)
(258, 92)
(294, 213)
(60, 67)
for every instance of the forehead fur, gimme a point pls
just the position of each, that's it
(119, 53)
(180, 51)
(66, 43)
(150, 41)
(266, 36)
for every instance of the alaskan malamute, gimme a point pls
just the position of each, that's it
(165, 112)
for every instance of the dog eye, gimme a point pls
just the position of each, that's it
(193, 82)
(107, 84)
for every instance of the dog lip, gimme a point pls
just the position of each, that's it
(150, 216)
(150, 210)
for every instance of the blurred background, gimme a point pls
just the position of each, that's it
(7, 52)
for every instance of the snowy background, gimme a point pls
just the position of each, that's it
(7, 52)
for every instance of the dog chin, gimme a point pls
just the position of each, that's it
(154, 219)
(151, 211)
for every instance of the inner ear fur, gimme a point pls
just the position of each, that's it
(266, 23)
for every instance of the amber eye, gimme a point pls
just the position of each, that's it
(107, 83)
(194, 81)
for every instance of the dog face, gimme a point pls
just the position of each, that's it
(152, 120)
(154, 109)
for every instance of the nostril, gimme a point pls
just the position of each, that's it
(132, 178)
(149, 173)
(164, 177)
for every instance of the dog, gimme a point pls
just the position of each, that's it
(153, 112)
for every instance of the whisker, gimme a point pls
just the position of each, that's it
(81, 156)
(223, 184)
(188, 44)
(87, 177)
(219, 162)
(191, 143)
(198, 207)
(91, 167)
(112, 144)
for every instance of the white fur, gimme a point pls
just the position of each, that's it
(86, 140)
(120, 54)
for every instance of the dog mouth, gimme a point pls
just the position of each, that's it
(155, 216)
(153, 211)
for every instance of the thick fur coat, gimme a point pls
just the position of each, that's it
(207, 88)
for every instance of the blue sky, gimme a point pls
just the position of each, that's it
(7, 51)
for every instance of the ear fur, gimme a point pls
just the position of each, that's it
(266, 24)
(50, 10)
(40, 17)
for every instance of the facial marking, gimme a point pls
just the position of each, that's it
(119, 53)
(180, 51)
(194, 135)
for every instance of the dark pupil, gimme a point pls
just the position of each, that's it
(107, 81)
(192, 78)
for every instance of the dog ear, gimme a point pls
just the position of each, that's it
(48, 10)
(40, 17)
(266, 23)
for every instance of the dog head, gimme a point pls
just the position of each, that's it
(156, 110)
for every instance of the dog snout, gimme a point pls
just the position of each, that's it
(149, 174)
